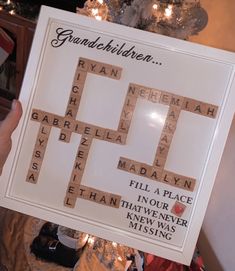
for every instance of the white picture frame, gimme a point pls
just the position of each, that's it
(152, 202)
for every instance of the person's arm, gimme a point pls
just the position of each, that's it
(7, 127)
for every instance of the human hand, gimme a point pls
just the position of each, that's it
(7, 127)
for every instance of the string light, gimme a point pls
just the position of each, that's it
(95, 8)
(175, 18)
(168, 11)
(12, 12)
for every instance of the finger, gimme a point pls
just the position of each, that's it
(11, 121)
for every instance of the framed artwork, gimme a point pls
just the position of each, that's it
(122, 133)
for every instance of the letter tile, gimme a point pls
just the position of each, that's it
(159, 162)
(124, 126)
(167, 177)
(80, 77)
(115, 137)
(36, 115)
(173, 113)
(144, 92)
(65, 136)
(134, 167)
(133, 90)
(47, 118)
(32, 177)
(130, 102)
(156, 173)
(177, 100)
(76, 177)
(114, 200)
(69, 202)
(145, 170)
(71, 112)
(165, 139)
(162, 151)
(72, 190)
(124, 163)
(99, 132)
(83, 64)
(169, 127)
(155, 95)
(165, 98)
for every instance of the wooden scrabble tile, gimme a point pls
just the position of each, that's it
(79, 127)
(47, 118)
(41, 141)
(155, 173)
(183, 182)
(68, 124)
(159, 162)
(79, 165)
(89, 130)
(173, 113)
(71, 112)
(36, 115)
(83, 64)
(76, 177)
(124, 163)
(44, 130)
(77, 90)
(84, 192)
(165, 139)
(114, 200)
(80, 77)
(35, 165)
(127, 113)
(178, 208)
(98, 196)
(65, 136)
(130, 102)
(72, 190)
(189, 104)
(115, 72)
(211, 111)
(104, 69)
(207, 110)
(167, 177)
(57, 121)
(134, 167)
(169, 127)
(82, 153)
(99, 132)
(69, 202)
(85, 142)
(38, 153)
(145, 170)
(162, 151)
(154, 95)
(177, 100)
(115, 137)
(144, 92)
(32, 176)
(133, 90)
(124, 126)
(74, 101)
(165, 98)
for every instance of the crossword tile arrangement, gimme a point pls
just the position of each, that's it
(68, 125)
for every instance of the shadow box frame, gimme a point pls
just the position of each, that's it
(170, 57)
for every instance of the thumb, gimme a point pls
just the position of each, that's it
(11, 121)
